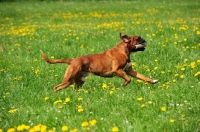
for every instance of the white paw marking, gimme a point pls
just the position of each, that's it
(155, 81)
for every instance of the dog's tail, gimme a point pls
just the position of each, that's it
(68, 61)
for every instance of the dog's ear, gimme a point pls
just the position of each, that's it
(124, 37)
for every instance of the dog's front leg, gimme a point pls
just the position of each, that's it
(121, 74)
(137, 75)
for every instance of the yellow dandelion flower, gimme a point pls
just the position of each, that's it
(60, 107)
(46, 98)
(93, 122)
(155, 68)
(37, 71)
(80, 110)
(176, 75)
(150, 102)
(43, 128)
(115, 129)
(171, 120)
(11, 130)
(3, 70)
(51, 70)
(15, 78)
(134, 64)
(67, 100)
(79, 106)
(57, 101)
(196, 74)
(32, 68)
(163, 109)
(51, 130)
(1, 130)
(74, 130)
(140, 99)
(143, 105)
(182, 76)
(148, 70)
(37, 128)
(12, 111)
(31, 130)
(17, 45)
(111, 92)
(139, 81)
(23, 127)
(183, 69)
(185, 60)
(87, 128)
(193, 65)
(35, 60)
(65, 128)
(85, 124)
(163, 72)
(174, 80)
(105, 86)
(80, 99)
(81, 47)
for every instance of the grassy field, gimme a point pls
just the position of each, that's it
(71, 29)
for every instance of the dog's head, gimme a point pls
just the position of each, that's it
(134, 43)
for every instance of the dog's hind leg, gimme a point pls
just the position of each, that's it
(78, 84)
(69, 77)
(62, 85)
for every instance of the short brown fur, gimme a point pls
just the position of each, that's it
(107, 64)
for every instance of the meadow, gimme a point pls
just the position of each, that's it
(67, 29)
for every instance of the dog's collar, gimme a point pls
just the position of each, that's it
(128, 64)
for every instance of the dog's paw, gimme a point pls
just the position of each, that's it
(155, 81)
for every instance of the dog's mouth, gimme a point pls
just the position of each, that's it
(140, 46)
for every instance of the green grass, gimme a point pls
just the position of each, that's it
(71, 29)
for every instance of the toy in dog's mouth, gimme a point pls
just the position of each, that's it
(139, 47)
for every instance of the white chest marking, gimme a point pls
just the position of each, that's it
(128, 64)
(84, 75)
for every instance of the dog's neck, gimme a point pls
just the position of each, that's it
(126, 50)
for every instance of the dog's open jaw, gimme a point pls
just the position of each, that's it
(141, 44)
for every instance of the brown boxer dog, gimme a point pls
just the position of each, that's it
(113, 62)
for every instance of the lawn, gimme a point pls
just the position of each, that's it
(68, 29)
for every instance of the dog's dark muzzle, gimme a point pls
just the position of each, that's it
(140, 46)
